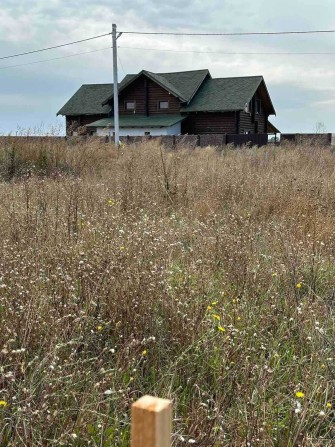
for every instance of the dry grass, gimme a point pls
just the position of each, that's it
(176, 274)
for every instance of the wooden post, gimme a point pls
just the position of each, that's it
(151, 424)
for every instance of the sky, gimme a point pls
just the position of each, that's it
(302, 87)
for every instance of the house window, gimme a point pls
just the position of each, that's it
(146, 133)
(130, 105)
(247, 107)
(163, 105)
(258, 106)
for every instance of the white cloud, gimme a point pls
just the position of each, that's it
(292, 80)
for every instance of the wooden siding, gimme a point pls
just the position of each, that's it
(247, 121)
(209, 123)
(81, 120)
(147, 94)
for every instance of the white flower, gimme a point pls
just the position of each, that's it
(108, 392)
(322, 413)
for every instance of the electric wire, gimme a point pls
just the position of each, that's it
(231, 53)
(55, 46)
(255, 33)
(54, 58)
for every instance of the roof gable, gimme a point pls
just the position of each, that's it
(227, 94)
(183, 84)
(88, 100)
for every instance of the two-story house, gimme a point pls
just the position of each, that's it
(188, 102)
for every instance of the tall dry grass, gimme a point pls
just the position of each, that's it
(202, 276)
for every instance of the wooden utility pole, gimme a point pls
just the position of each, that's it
(151, 424)
(115, 87)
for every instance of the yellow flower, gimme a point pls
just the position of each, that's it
(274, 274)
(209, 307)
(217, 317)
(299, 285)
(328, 405)
(214, 303)
(99, 328)
(111, 202)
(122, 248)
(144, 353)
(221, 329)
(300, 394)
(3, 403)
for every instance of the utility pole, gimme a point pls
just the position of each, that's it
(115, 86)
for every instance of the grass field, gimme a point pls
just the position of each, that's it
(205, 277)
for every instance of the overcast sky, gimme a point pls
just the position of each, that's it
(302, 87)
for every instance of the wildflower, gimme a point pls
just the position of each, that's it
(214, 303)
(3, 403)
(209, 307)
(220, 328)
(298, 409)
(74, 436)
(108, 392)
(238, 318)
(300, 394)
(99, 328)
(217, 317)
(299, 285)
(122, 248)
(328, 405)
(144, 353)
(322, 413)
(274, 274)
(111, 202)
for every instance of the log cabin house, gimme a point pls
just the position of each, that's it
(188, 102)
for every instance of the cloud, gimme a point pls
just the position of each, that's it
(302, 87)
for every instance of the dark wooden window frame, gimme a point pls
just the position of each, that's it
(126, 102)
(258, 106)
(163, 108)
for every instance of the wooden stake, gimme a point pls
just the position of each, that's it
(151, 422)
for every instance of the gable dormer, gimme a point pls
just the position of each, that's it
(150, 93)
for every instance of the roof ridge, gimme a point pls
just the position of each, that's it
(238, 77)
(103, 83)
(183, 71)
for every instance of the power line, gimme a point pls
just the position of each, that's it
(256, 33)
(55, 46)
(161, 50)
(54, 58)
(171, 34)
(230, 53)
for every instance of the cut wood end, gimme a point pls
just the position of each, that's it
(151, 403)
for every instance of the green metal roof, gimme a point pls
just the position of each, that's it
(225, 94)
(182, 84)
(140, 121)
(88, 100)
